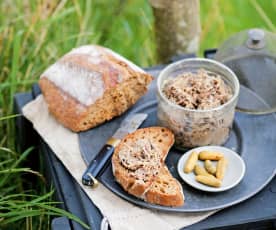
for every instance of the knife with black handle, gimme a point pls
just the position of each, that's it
(100, 161)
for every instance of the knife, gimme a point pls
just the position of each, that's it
(99, 162)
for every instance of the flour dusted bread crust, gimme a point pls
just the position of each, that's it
(138, 166)
(91, 85)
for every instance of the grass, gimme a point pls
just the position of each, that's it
(34, 33)
(221, 19)
(32, 208)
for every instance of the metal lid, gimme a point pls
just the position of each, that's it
(256, 39)
(251, 54)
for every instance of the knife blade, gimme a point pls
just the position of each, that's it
(99, 162)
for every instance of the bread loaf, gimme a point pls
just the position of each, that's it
(91, 85)
(138, 166)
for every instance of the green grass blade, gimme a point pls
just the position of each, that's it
(15, 60)
(7, 175)
(263, 15)
(10, 116)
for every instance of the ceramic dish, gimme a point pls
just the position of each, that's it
(233, 175)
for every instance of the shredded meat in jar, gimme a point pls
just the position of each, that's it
(201, 90)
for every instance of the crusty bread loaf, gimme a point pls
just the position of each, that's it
(91, 85)
(138, 166)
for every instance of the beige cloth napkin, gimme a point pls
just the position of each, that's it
(121, 214)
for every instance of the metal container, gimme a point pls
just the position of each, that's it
(197, 127)
(251, 55)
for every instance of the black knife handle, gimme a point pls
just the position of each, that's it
(96, 165)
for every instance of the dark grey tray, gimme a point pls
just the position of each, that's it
(254, 137)
(258, 212)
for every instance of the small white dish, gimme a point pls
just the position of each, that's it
(234, 172)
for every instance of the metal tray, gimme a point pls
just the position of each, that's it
(254, 137)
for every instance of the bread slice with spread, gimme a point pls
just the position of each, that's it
(138, 166)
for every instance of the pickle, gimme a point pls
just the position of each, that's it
(209, 155)
(191, 162)
(210, 168)
(201, 171)
(221, 168)
(210, 181)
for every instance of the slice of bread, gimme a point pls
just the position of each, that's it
(138, 166)
(165, 190)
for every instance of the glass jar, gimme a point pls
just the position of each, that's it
(195, 127)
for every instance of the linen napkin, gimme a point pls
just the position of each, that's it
(121, 214)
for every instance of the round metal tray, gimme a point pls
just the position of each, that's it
(253, 137)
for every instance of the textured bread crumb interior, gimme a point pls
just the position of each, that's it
(165, 190)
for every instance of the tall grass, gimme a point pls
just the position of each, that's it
(221, 19)
(17, 205)
(34, 33)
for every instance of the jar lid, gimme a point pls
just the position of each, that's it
(251, 54)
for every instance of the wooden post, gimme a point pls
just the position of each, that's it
(177, 27)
